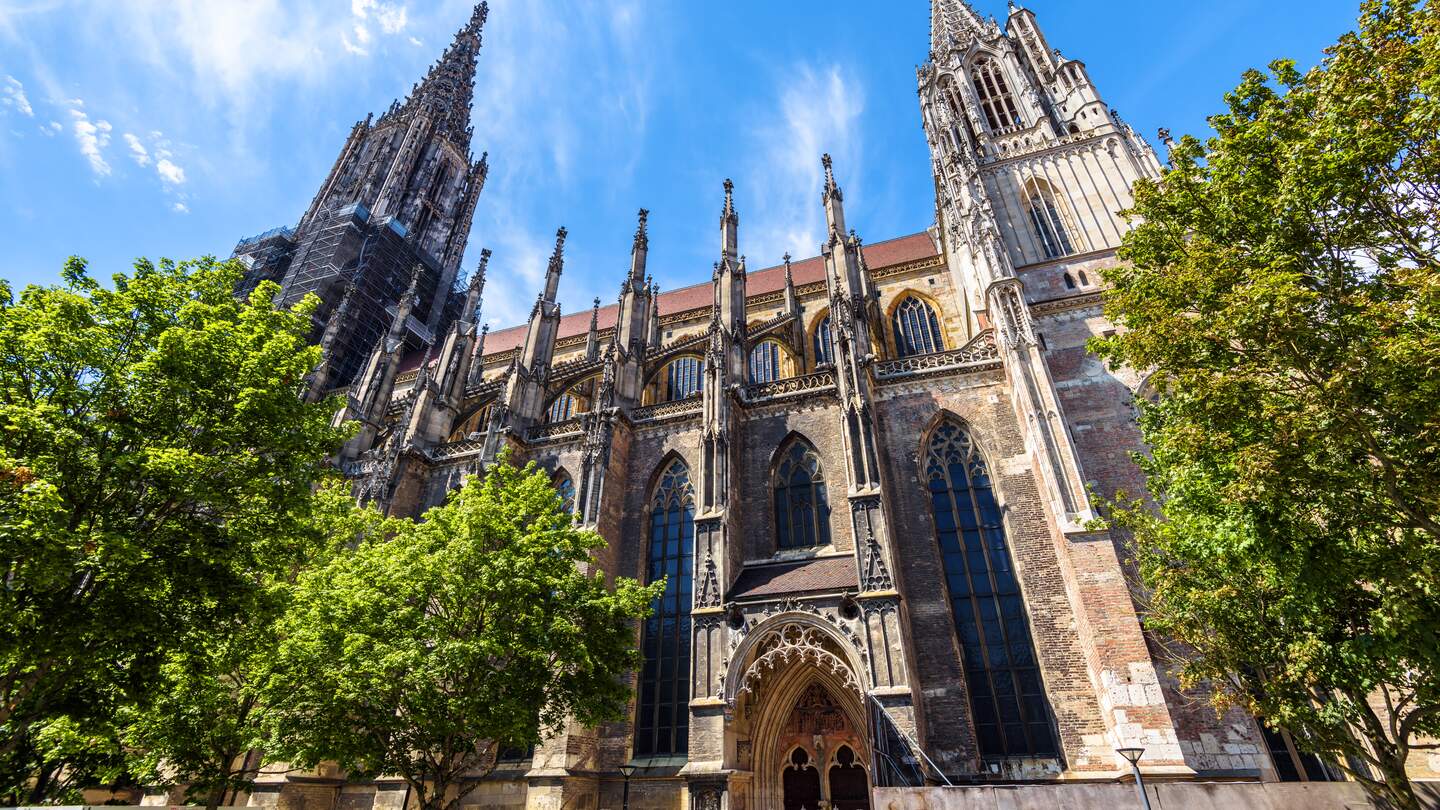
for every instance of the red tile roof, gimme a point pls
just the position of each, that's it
(760, 282)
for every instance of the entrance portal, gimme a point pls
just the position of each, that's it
(822, 770)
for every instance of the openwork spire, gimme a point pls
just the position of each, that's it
(953, 23)
(449, 87)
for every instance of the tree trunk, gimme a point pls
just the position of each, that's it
(1394, 789)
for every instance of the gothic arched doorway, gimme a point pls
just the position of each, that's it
(800, 713)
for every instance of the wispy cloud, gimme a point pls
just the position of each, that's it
(12, 94)
(170, 173)
(391, 18)
(817, 110)
(138, 152)
(92, 138)
(51, 129)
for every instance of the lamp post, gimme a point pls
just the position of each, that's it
(625, 771)
(1132, 755)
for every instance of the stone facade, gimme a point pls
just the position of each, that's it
(867, 474)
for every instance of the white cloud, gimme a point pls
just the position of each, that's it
(138, 152)
(12, 94)
(818, 111)
(92, 138)
(392, 18)
(169, 173)
(362, 34)
(51, 129)
(180, 208)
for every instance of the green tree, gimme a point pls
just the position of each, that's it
(1282, 285)
(476, 629)
(202, 726)
(156, 466)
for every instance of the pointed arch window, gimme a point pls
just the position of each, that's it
(802, 506)
(682, 379)
(565, 488)
(917, 328)
(1045, 220)
(1007, 697)
(824, 349)
(663, 724)
(765, 362)
(996, 100)
(562, 408)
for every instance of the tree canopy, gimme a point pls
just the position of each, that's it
(476, 629)
(157, 466)
(1282, 286)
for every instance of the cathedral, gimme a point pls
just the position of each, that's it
(868, 476)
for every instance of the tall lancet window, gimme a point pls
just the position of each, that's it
(765, 362)
(1007, 698)
(663, 724)
(1045, 219)
(824, 349)
(802, 507)
(996, 100)
(917, 328)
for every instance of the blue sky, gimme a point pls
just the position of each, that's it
(176, 127)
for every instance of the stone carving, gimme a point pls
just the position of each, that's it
(569, 427)
(709, 594)
(793, 643)
(976, 355)
(665, 410)
(810, 384)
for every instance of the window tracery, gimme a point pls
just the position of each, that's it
(996, 100)
(802, 508)
(1007, 696)
(917, 328)
(663, 723)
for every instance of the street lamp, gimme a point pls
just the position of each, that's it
(1133, 755)
(625, 771)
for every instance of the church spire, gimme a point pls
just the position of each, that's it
(449, 87)
(952, 23)
(729, 224)
(557, 266)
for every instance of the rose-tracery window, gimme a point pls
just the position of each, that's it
(802, 508)
(996, 100)
(1007, 697)
(917, 328)
(765, 362)
(663, 724)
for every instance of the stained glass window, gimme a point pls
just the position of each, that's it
(802, 509)
(765, 362)
(824, 349)
(917, 329)
(663, 724)
(1007, 697)
(682, 379)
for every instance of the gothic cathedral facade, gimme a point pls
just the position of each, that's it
(867, 475)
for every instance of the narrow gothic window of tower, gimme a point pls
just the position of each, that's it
(1007, 697)
(917, 329)
(824, 349)
(565, 487)
(663, 722)
(765, 362)
(1050, 230)
(802, 507)
(996, 100)
(682, 379)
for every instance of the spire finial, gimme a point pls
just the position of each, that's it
(729, 199)
(642, 238)
(557, 265)
(831, 189)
